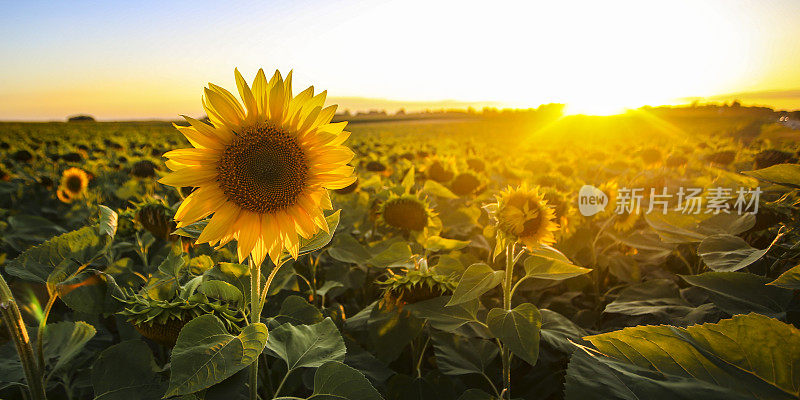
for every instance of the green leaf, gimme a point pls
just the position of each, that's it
(459, 355)
(336, 381)
(592, 376)
(385, 325)
(782, 174)
(475, 394)
(559, 332)
(221, 290)
(139, 380)
(476, 280)
(656, 301)
(677, 227)
(518, 329)
(296, 310)
(307, 345)
(741, 293)
(91, 292)
(789, 279)
(752, 354)
(346, 248)
(438, 243)
(549, 263)
(206, 354)
(437, 189)
(63, 255)
(64, 340)
(192, 230)
(444, 318)
(396, 255)
(727, 253)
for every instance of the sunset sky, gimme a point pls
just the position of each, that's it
(151, 59)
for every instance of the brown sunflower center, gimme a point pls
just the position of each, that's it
(405, 214)
(263, 169)
(74, 184)
(531, 226)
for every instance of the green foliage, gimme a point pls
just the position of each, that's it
(206, 354)
(751, 354)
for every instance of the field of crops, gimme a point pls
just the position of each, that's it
(467, 262)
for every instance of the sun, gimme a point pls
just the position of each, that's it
(599, 107)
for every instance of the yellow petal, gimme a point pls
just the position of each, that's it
(229, 114)
(220, 223)
(247, 97)
(249, 225)
(200, 204)
(190, 176)
(260, 94)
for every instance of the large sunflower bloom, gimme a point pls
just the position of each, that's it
(523, 215)
(262, 170)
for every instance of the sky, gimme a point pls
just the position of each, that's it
(151, 59)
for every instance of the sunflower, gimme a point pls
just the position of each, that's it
(407, 212)
(262, 170)
(74, 182)
(522, 215)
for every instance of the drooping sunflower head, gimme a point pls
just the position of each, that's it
(162, 320)
(74, 182)
(406, 212)
(156, 217)
(523, 215)
(466, 184)
(440, 171)
(263, 169)
(410, 286)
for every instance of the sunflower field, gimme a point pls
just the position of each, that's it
(272, 250)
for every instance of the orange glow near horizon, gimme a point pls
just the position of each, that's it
(134, 62)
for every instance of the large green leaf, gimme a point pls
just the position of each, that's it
(789, 279)
(65, 254)
(307, 345)
(752, 354)
(445, 318)
(558, 331)
(658, 301)
(518, 329)
(591, 376)
(437, 189)
(548, 263)
(476, 280)
(741, 293)
(398, 254)
(782, 174)
(727, 253)
(206, 354)
(64, 340)
(677, 227)
(346, 248)
(92, 292)
(336, 381)
(221, 290)
(126, 371)
(296, 310)
(390, 325)
(458, 355)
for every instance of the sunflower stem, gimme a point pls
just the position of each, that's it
(507, 292)
(12, 318)
(255, 317)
